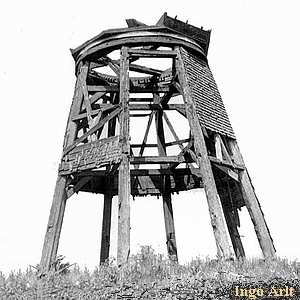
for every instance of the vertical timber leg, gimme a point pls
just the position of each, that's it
(230, 212)
(166, 186)
(106, 224)
(253, 206)
(234, 233)
(124, 212)
(60, 196)
(221, 233)
(107, 205)
(169, 223)
(124, 168)
(232, 221)
(54, 225)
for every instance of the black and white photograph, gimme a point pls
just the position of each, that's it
(150, 150)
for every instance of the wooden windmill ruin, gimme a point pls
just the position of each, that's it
(99, 155)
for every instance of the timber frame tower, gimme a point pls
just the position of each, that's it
(99, 157)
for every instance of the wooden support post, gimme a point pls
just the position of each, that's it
(54, 225)
(223, 242)
(124, 168)
(252, 204)
(232, 219)
(169, 221)
(166, 185)
(226, 198)
(234, 233)
(106, 224)
(106, 219)
(52, 236)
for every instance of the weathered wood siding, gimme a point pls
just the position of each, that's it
(208, 102)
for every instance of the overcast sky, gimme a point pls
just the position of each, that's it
(254, 56)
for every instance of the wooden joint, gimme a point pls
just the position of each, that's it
(76, 188)
(237, 167)
(229, 172)
(92, 130)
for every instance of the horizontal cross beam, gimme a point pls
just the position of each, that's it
(179, 142)
(158, 160)
(134, 89)
(151, 53)
(133, 107)
(140, 99)
(156, 106)
(147, 172)
(145, 70)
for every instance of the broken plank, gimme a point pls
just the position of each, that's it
(134, 23)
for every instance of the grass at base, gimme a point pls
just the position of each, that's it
(148, 275)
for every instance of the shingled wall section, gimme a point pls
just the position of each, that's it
(209, 105)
